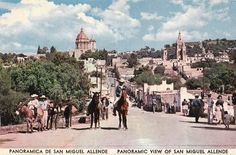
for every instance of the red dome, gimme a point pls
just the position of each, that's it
(82, 36)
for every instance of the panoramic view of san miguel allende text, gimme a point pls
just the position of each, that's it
(126, 77)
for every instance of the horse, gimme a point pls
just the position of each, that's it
(28, 113)
(61, 109)
(122, 108)
(94, 110)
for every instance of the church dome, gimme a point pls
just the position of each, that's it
(81, 36)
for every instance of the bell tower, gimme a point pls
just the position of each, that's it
(180, 49)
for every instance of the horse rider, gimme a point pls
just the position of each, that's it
(33, 104)
(118, 94)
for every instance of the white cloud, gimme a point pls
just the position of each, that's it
(120, 5)
(117, 18)
(172, 36)
(178, 2)
(191, 21)
(150, 16)
(31, 23)
(194, 17)
(135, 1)
(218, 2)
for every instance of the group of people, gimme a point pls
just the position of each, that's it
(217, 111)
(47, 111)
(42, 103)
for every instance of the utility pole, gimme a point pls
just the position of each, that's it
(97, 76)
(101, 82)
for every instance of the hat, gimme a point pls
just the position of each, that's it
(43, 96)
(121, 80)
(123, 87)
(196, 94)
(34, 95)
(95, 90)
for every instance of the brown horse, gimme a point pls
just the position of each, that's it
(28, 113)
(122, 108)
(94, 109)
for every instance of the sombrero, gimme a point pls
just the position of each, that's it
(43, 96)
(34, 95)
(121, 80)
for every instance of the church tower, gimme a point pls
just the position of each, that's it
(180, 49)
(164, 55)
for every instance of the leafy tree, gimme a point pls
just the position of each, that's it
(132, 60)
(53, 49)
(152, 79)
(193, 83)
(140, 70)
(160, 69)
(54, 80)
(99, 54)
(8, 99)
(176, 80)
(221, 74)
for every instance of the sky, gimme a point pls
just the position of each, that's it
(122, 25)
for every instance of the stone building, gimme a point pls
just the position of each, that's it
(83, 44)
(180, 48)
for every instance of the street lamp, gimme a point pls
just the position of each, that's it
(203, 79)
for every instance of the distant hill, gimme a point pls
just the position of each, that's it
(214, 46)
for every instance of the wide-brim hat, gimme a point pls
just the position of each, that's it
(43, 96)
(95, 90)
(34, 95)
(121, 80)
(196, 94)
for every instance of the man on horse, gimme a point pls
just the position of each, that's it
(34, 104)
(118, 94)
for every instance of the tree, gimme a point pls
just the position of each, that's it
(193, 83)
(53, 49)
(8, 99)
(132, 60)
(152, 79)
(160, 69)
(57, 81)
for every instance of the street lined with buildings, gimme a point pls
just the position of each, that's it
(146, 130)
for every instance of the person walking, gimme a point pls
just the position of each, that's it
(234, 105)
(220, 108)
(210, 104)
(154, 103)
(44, 105)
(185, 107)
(196, 107)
